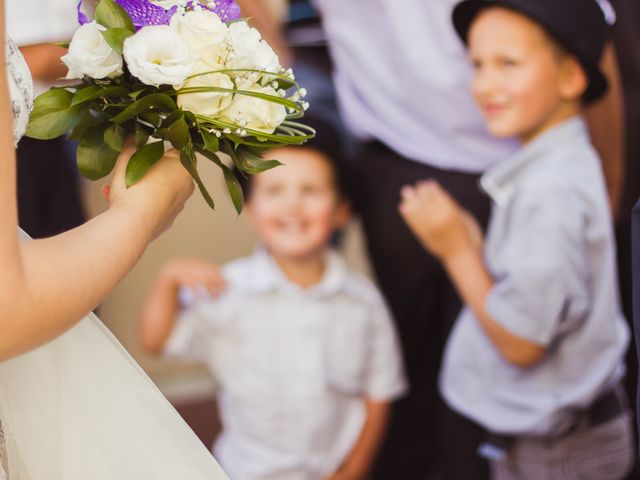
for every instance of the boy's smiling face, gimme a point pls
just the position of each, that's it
(295, 208)
(523, 83)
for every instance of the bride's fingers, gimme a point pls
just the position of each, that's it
(123, 159)
(105, 191)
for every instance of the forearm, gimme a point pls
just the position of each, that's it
(360, 460)
(473, 282)
(52, 283)
(159, 313)
(44, 61)
(606, 125)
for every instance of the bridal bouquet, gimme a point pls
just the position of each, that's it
(192, 75)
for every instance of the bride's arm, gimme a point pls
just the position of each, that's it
(46, 286)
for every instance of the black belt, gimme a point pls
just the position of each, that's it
(605, 408)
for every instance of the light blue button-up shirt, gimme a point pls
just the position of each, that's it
(550, 250)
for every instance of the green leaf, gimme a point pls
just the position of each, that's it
(151, 117)
(93, 92)
(177, 133)
(141, 136)
(172, 117)
(155, 101)
(96, 158)
(114, 137)
(115, 37)
(141, 161)
(250, 162)
(111, 15)
(188, 160)
(88, 121)
(82, 94)
(233, 185)
(211, 142)
(54, 124)
(137, 93)
(55, 99)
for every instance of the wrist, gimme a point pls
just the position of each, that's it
(460, 256)
(146, 214)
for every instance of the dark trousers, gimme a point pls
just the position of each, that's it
(48, 190)
(424, 436)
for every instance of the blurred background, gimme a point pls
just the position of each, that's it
(293, 28)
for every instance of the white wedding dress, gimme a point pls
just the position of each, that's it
(80, 408)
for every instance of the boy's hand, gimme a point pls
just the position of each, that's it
(196, 274)
(436, 219)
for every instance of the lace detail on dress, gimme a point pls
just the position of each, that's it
(3, 475)
(21, 90)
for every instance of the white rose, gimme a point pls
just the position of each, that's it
(255, 113)
(90, 54)
(156, 55)
(250, 51)
(206, 103)
(205, 34)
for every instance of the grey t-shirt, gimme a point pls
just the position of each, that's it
(550, 250)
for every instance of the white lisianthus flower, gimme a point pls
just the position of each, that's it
(205, 34)
(156, 55)
(250, 51)
(206, 103)
(255, 113)
(90, 54)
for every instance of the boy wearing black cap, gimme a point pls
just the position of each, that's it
(536, 356)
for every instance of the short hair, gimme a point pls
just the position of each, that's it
(328, 142)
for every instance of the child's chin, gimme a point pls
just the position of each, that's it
(500, 131)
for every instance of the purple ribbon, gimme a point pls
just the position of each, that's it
(144, 13)
(227, 10)
(82, 18)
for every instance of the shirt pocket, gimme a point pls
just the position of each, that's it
(346, 345)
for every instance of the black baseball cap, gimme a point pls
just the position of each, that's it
(579, 26)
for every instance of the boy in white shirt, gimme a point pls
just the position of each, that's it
(303, 350)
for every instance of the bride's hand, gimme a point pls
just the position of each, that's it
(159, 196)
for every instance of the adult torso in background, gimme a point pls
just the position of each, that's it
(402, 77)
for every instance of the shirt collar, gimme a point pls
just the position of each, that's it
(267, 276)
(499, 181)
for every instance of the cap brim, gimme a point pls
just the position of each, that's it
(465, 12)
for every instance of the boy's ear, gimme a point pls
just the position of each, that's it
(573, 79)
